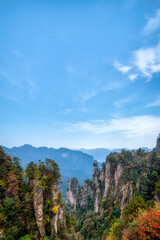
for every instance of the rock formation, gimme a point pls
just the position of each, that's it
(73, 190)
(38, 206)
(54, 218)
(107, 182)
(157, 148)
(120, 178)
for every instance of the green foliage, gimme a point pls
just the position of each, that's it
(134, 207)
(117, 228)
(140, 152)
(90, 203)
(142, 171)
(30, 170)
(157, 189)
(17, 217)
(26, 237)
(70, 221)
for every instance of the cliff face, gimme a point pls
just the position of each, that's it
(56, 216)
(120, 178)
(48, 207)
(109, 181)
(38, 206)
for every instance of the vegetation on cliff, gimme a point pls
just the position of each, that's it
(30, 204)
(120, 198)
(120, 202)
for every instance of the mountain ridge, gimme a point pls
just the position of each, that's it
(71, 162)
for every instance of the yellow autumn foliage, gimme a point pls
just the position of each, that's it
(110, 238)
(3, 219)
(54, 210)
(2, 183)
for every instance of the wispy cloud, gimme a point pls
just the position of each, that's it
(94, 92)
(153, 23)
(67, 111)
(86, 96)
(9, 78)
(155, 103)
(122, 68)
(118, 104)
(32, 86)
(130, 127)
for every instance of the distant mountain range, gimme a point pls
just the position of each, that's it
(72, 163)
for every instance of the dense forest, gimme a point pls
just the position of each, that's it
(30, 205)
(120, 202)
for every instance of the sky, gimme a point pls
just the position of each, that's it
(80, 73)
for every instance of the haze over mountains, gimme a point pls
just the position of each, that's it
(72, 163)
(100, 154)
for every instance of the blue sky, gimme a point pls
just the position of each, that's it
(80, 73)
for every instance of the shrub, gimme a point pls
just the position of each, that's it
(146, 226)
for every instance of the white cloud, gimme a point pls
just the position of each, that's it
(153, 23)
(132, 77)
(147, 60)
(130, 127)
(122, 68)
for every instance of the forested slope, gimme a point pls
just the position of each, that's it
(119, 197)
(30, 203)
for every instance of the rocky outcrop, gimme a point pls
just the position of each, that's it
(95, 173)
(95, 189)
(117, 174)
(54, 218)
(61, 215)
(38, 206)
(107, 177)
(127, 191)
(115, 183)
(102, 172)
(157, 148)
(87, 190)
(95, 180)
(73, 189)
(58, 212)
(97, 200)
(79, 195)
